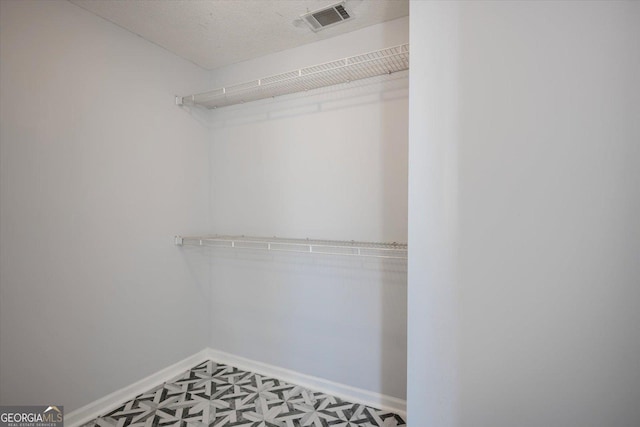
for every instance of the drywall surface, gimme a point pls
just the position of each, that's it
(327, 165)
(98, 171)
(541, 111)
(432, 301)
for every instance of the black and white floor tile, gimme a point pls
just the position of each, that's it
(216, 395)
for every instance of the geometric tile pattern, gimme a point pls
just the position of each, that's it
(217, 395)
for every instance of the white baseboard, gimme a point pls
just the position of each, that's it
(352, 394)
(118, 397)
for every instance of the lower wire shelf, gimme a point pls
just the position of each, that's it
(324, 247)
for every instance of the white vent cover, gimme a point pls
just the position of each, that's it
(327, 16)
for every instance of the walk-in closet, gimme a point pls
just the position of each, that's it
(327, 213)
(231, 187)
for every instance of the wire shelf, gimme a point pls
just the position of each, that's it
(323, 247)
(377, 63)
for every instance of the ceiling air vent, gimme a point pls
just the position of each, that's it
(327, 17)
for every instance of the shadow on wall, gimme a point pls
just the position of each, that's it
(393, 301)
(331, 98)
(316, 314)
(198, 266)
(327, 165)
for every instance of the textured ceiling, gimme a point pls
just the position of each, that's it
(214, 33)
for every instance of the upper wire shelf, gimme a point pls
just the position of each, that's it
(376, 63)
(276, 244)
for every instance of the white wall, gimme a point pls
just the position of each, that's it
(535, 156)
(98, 171)
(432, 395)
(328, 166)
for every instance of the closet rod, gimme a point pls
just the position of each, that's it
(322, 247)
(377, 63)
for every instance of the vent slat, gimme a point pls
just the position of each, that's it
(341, 10)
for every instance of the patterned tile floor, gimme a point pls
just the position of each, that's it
(212, 394)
